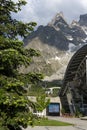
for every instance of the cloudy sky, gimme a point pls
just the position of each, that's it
(42, 11)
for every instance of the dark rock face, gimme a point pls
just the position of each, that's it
(54, 38)
(83, 20)
(60, 34)
(48, 35)
(59, 23)
(78, 35)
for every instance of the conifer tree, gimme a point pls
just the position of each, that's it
(14, 103)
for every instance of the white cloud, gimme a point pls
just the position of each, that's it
(42, 11)
(84, 4)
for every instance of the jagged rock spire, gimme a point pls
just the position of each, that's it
(74, 23)
(57, 21)
(60, 14)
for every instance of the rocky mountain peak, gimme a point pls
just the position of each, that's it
(75, 23)
(83, 20)
(58, 21)
(57, 42)
(59, 15)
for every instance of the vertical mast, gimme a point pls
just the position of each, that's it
(86, 70)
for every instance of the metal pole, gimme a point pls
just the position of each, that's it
(86, 70)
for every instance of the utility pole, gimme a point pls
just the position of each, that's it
(86, 70)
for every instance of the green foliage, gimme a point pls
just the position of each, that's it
(55, 92)
(15, 107)
(42, 102)
(78, 113)
(63, 111)
(35, 91)
(10, 27)
(14, 104)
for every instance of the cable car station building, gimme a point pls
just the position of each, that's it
(73, 93)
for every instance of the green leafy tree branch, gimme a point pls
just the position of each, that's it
(15, 106)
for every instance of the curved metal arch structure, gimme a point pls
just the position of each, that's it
(74, 90)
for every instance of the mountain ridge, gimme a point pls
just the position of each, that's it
(57, 42)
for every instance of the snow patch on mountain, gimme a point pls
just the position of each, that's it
(71, 47)
(64, 60)
(69, 37)
(84, 29)
(56, 58)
